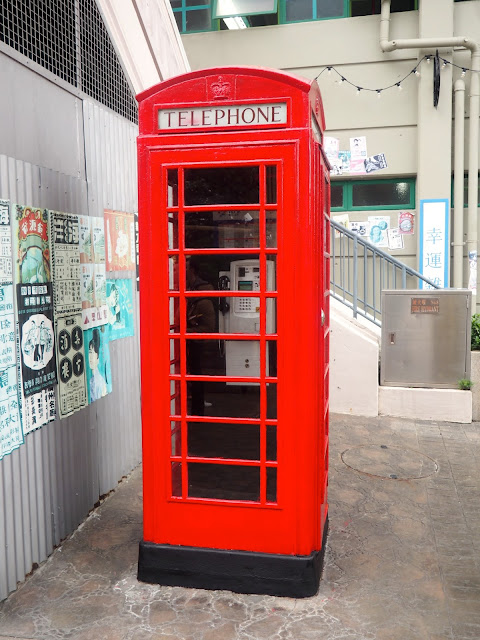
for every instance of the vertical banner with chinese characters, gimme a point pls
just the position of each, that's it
(32, 269)
(120, 308)
(99, 377)
(35, 319)
(120, 240)
(93, 275)
(65, 248)
(434, 230)
(6, 274)
(72, 389)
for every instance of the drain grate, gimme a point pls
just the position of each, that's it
(385, 461)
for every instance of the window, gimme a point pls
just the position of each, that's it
(192, 15)
(372, 7)
(373, 194)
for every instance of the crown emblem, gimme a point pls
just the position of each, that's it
(220, 89)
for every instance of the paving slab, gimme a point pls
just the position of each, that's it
(402, 558)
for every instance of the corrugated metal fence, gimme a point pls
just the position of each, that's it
(50, 483)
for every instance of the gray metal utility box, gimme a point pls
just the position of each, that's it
(425, 337)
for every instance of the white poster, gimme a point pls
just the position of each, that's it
(395, 238)
(434, 227)
(5, 243)
(358, 147)
(11, 435)
(379, 226)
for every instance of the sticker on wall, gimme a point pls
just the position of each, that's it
(31, 245)
(92, 272)
(72, 388)
(120, 308)
(137, 251)
(120, 241)
(11, 435)
(375, 163)
(344, 159)
(472, 271)
(85, 239)
(360, 228)
(342, 219)
(395, 239)
(97, 360)
(357, 166)
(378, 230)
(6, 274)
(331, 147)
(65, 260)
(406, 222)
(358, 147)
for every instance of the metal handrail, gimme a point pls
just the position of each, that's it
(359, 271)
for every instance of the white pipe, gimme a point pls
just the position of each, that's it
(470, 44)
(458, 172)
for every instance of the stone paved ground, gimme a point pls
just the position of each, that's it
(402, 560)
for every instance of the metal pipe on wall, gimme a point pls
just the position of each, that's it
(458, 171)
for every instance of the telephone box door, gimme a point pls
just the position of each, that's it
(221, 444)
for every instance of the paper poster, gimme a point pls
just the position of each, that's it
(358, 147)
(8, 349)
(137, 252)
(120, 308)
(37, 354)
(406, 222)
(360, 228)
(65, 259)
(99, 377)
(11, 434)
(85, 239)
(120, 240)
(344, 158)
(92, 272)
(38, 410)
(342, 219)
(72, 388)
(331, 147)
(357, 166)
(395, 239)
(6, 274)
(375, 163)
(378, 230)
(31, 245)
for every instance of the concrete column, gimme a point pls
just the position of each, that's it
(434, 129)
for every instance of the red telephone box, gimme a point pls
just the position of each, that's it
(234, 272)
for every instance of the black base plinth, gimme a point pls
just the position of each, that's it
(239, 571)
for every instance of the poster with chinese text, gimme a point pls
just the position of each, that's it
(8, 350)
(31, 245)
(38, 410)
(65, 260)
(434, 235)
(97, 356)
(120, 308)
(6, 274)
(72, 389)
(358, 147)
(120, 240)
(36, 337)
(11, 435)
(92, 272)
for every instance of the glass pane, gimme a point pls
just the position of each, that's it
(329, 8)
(271, 273)
(224, 399)
(381, 194)
(271, 401)
(223, 185)
(173, 230)
(336, 195)
(233, 358)
(222, 272)
(174, 315)
(222, 440)
(271, 484)
(271, 190)
(173, 273)
(198, 20)
(178, 19)
(222, 229)
(298, 10)
(272, 358)
(176, 479)
(223, 482)
(174, 357)
(271, 442)
(271, 229)
(176, 438)
(226, 8)
(176, 4)
(175, 405)
(400, 5)
(172, 195)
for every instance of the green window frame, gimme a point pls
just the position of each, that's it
(181, 12)
(241, 14)
(465, 186)
(347, 191)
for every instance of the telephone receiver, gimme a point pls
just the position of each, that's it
(223, 285)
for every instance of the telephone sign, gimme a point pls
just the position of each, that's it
(234, 256)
